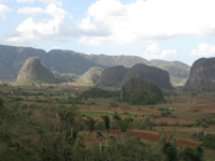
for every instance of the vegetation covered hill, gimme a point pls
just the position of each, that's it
(33, 71)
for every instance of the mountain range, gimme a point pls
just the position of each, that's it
(71, 62)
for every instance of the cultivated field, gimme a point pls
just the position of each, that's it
(187, 118)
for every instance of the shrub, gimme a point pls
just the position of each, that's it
(166, 111)
(124, 124)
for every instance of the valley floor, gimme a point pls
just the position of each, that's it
(185, 117)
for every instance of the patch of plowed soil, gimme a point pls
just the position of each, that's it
(154, 136)
(146, 135)
(187, 143)
(92, 138)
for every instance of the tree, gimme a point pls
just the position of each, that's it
(170, 151)
(107, 122)
(193, 154)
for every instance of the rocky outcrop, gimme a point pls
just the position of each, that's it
(202, 76)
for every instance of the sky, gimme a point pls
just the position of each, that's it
(182, 30)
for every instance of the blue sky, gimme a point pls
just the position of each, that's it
(169, 29)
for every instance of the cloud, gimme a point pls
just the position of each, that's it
(3, 10)
(152, 50)
(36, 29)
(42, 1)
(204, 50)
(31, 10)
(148, 19)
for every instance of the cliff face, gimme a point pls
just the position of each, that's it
(202, 75)
(33, 71)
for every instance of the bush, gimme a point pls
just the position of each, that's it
(166, 111)
(206, 121)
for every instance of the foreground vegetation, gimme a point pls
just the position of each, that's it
(51, 124)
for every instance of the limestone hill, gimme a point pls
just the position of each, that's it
(33, 71)
(202, 76)
(113, 77)
(91, 77)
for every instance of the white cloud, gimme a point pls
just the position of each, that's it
(154, 51)
(31, 10)
(32, 28)
(204, 50)
(42, 1)
(3, 10)
(148, 19)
